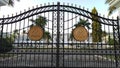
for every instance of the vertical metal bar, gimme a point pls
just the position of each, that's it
(71, 49)
(2, 28)
(58, 34)
(69, 39)
(116, 61)
(19, 40)
(11, 32)
(28, 25)
(116, 58)
(1, 32)
(48, 31)
(52, 38)
(63, 37)
(1, 37)
(118, 31)
(15, 44)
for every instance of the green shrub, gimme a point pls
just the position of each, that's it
(5, 45)
(111, 41)
(6, 42)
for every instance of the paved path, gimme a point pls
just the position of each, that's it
(40, 59)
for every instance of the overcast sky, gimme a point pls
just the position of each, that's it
(24, 4)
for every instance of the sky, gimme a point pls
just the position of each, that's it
(100, 5)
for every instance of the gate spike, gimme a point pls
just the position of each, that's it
(68, 4)
(40, 5)
(103, 15)
(3, 16)
(32, 7)
(36, 6)
(87, 9)
(44, 4)
(16, 13)
(12, 15)
(20, 11)
(63, 3)
(79, 6)
(8, 15)
(75, 5)
(48, 3)
(53, 3)
(28, 8)
(24, 10)
(84, 8)
(71, 4)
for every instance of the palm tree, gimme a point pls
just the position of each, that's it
(81, 23)
(11, 2)
(112, 8)
(41, 22)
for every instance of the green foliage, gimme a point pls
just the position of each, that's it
(12, 36)
(71, 37)
(96, 32)
(104, 33)
(47, 36)
(112, 8)
(96, 28)
(112, 41)
(11, 2)
(40, 21)
(94, 11)
(84, 23)
(6, 43)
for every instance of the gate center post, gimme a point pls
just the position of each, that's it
(58, 34)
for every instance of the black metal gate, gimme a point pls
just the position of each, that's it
(57, 48)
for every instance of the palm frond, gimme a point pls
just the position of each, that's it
(47, 36)
(11, 2)
(40, 21)
(83, 22)
(107, 1)
(111, 10)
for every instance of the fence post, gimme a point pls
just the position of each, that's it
(115, 43)
(2, 23)
(1, 34)
(58, 34)
(118, 30)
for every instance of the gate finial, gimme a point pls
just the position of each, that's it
(58, 3)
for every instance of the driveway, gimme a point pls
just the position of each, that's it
(44, 58)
